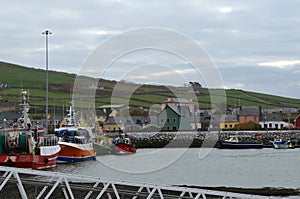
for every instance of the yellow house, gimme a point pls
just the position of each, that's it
(112, 128)
(228, 121)
(111, 125)
(111, 112)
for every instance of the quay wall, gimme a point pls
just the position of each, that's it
(196, 138)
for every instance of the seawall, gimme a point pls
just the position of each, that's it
(197, 138)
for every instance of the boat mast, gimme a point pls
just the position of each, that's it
(25, 119)
(46, 32)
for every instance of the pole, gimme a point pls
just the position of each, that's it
(47, 32)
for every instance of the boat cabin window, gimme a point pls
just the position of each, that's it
(82, 132)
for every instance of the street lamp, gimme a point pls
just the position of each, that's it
(46, 33)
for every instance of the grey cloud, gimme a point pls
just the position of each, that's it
(250, 33)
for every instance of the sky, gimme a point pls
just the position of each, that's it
(254, 45)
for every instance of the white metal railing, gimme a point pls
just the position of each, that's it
(50, 183)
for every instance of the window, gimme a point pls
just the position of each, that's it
(225, 126)
(245, 119)
(254, 119)
(230, 126)
(174, 120)
(168, 120)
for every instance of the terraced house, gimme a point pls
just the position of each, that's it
(173, 118)
(228, 121)
(249, 114)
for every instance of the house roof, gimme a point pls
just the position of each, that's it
(229, 118)
(298, 117)
(249, 111)
(180, 110)
(272, 117)
(9, 115)
(112, 106)
(115, 120)
(177, 100)
(126, 119)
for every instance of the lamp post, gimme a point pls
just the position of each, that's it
(46, 33)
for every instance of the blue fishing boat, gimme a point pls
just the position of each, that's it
(280, 144)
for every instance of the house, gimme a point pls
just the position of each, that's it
(297, 122)
(273, 121)
(106, 111)
(125, 123)
(174, 118)
(171, 101)
(206, 119)
(249, 114)
(228, 121)
(114, 124)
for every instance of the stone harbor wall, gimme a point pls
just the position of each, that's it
(196, 138)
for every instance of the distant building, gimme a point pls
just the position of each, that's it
(113, 124)
(249, 114)
(272, 121)
(125, 123)
(9, 117)
(174, 118)
(171, 101)
(297, 122)
(106, 111)
(281, 110)
(228, 121)
(207, 119)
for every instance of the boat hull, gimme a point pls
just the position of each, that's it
(102, 150)
(123, 148)
(47, 158)
(280, 146)
(229, 145)
(71, 152)
(42, 161)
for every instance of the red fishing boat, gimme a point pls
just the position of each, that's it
(23, 147)
(123, 145)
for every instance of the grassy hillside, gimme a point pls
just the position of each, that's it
(60, 87)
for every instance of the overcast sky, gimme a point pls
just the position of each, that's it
(254, 44)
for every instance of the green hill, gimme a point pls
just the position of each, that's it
(60, 87)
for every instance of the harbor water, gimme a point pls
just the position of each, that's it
(252, 168)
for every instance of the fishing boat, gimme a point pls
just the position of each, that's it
(235, 142)
(280, 144)
(102, 142)
(25, 147)
(123, 145)
(75, 142)
(102, 148)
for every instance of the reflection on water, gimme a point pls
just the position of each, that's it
(255, 168)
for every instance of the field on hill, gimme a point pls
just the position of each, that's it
(61, 84)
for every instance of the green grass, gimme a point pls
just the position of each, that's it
(60, 87)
